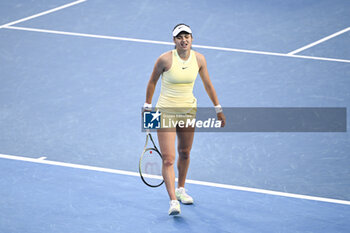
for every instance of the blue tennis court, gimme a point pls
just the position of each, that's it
(72, 82)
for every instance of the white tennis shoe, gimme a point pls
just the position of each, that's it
(174, 207)
(182, 196)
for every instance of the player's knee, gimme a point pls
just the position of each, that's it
(168, 162)
(184, 153)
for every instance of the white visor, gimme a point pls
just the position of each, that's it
(181, 28)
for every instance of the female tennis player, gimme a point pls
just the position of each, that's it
(179, 69)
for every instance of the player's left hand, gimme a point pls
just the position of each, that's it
(222, 118)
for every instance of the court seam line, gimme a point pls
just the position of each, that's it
(319, 41)
(171, 43)
(203, 183)
(42, 13)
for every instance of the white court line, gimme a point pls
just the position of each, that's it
(210, 184)
(88, 35)
(170, 43)
(319, 41)
(42, 13)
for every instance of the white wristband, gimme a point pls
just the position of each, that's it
(218, 108)
(147, 106)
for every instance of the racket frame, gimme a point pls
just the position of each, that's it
(149, 136)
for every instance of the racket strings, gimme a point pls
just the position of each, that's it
(151, 167)
(151, 163)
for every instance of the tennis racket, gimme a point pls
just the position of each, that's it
(150, 165)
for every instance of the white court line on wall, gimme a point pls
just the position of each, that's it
(319, 41)
(203, 183)
(42, 13)
(171, 43)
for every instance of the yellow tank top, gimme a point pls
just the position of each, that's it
(177, 83)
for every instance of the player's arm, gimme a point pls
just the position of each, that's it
(157, 71)
(204, 74)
